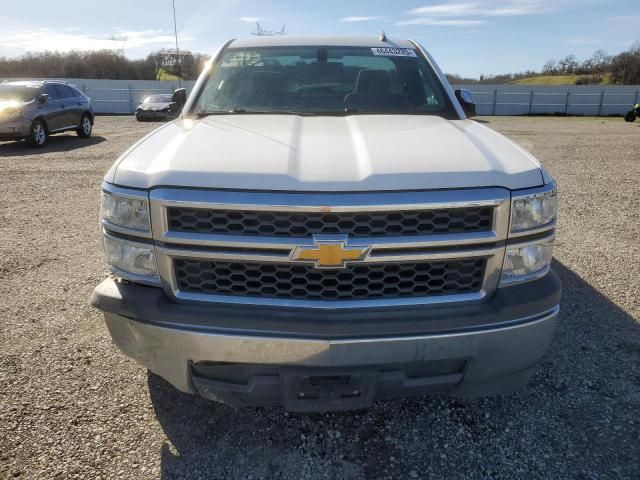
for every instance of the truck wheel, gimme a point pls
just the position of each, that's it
(139, 117)
(38, 135)
(630, 116)
(84, 131)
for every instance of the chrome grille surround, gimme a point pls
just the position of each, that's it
(487, 246)
(308, 224)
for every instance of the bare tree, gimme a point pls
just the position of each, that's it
(599, 60)
(568, 64)
(625, 67)
(550, 67)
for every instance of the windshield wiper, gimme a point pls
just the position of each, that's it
(239, 110)
(364, 111)
(206, 113)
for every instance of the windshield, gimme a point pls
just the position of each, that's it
(22, 93)
(158, 99)
(323, 80)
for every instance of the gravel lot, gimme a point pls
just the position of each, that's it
(72, 406)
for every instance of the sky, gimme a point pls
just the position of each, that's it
(466, 37)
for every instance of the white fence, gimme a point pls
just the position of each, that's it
(564, 100)
(122, 96)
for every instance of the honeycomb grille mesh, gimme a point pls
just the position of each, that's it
(354, 224)
(305, 282)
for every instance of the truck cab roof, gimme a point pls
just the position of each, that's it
(326, 41)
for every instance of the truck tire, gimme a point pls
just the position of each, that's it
(630, 116)
(86, 126)
(38, 134)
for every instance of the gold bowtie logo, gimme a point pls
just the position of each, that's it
(330, 254)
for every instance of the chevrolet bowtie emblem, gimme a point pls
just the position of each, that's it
(330, 254)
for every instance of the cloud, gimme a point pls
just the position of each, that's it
(19, 37)
(583, 41)
(460, 22)
(359, 19)
(446, 9)
(472, 13)
(527, 8)
(504, 8)
(250, 19)
(624, 19)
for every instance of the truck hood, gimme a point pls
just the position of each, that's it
(345, 153)
(153, 106)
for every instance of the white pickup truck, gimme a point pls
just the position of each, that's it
(324, 227)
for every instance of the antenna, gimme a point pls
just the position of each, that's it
(175, 31)
(383, 37)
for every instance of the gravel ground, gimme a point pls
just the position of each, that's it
(71, 406)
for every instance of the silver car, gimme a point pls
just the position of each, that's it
(33, 110)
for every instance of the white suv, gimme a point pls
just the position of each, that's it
(323, 227)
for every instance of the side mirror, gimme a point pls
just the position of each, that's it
(466, 102)
(43, 99)
(178, 100)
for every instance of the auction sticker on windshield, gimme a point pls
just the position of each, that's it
(394, 52)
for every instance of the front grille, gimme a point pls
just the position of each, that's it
(354, 224)
(305, 282)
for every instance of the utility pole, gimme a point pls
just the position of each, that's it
(123, 37)
(266, 33)
(175, 31)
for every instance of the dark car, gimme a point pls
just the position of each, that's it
(155, 107)
(36, 109)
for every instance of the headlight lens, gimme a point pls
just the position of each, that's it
(527, 260)
(10, 114)
(531, 211)
(124, 211)
(132, 260)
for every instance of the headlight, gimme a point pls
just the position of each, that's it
(126, 211)
(132, 260)
(9, 114)
(527, 261)
(531, 211)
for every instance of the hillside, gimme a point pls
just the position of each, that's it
(164, 75)
(563, 80)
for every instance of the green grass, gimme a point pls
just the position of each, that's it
(164, 75)
(547, 80)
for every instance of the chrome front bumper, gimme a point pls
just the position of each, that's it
(248, 357)
(491, 354)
